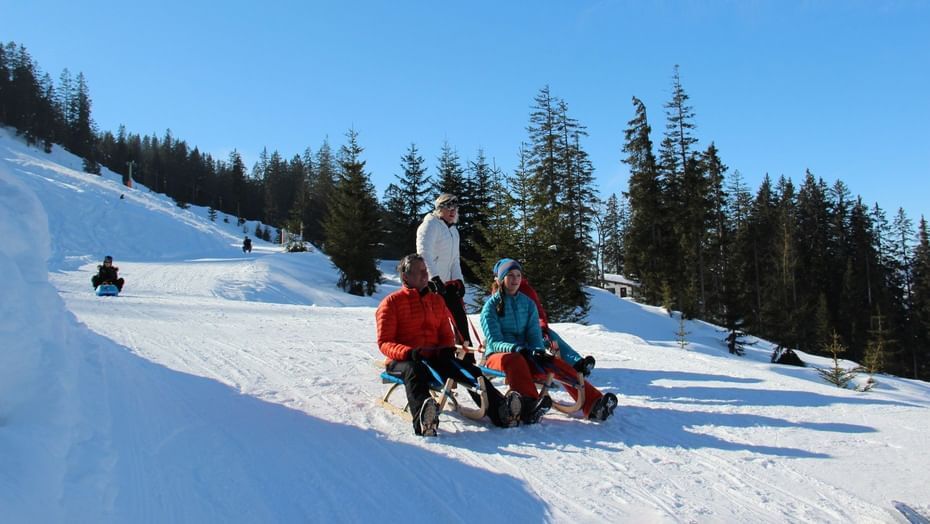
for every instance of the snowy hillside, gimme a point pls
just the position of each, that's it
(226, 387)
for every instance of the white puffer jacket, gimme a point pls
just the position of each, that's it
(439, 246)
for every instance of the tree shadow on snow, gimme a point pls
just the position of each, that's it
(648, 384)
(668, 427)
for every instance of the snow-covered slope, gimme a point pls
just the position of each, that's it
(226, 387)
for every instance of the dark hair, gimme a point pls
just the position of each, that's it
(403, 267)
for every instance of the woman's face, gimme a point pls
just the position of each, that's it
(512, 281)
(448, 214)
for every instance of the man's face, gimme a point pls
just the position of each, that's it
(417, 276)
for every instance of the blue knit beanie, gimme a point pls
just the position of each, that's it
(504, 266)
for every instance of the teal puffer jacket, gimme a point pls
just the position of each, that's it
(518, 327)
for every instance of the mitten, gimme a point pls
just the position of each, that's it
(436, 286)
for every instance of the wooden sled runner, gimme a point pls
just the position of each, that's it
(442, 391)
(552, 381)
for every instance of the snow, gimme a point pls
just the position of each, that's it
(230, 387)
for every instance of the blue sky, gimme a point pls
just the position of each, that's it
(840, 88)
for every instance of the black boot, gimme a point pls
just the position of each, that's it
(603, 408)
(585, 366)
(509, 410)
(534, 410)
(427, 420)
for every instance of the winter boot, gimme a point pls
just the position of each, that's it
(533, 411)
(510, 409)
(427, 420)
(603, 408)
(585, 366)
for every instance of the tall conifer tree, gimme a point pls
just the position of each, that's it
(353, 226)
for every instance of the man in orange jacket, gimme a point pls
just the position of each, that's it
(414, 331)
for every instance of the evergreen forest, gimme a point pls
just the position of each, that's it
(804, 263)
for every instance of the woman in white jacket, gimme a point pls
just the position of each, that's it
(438, 244)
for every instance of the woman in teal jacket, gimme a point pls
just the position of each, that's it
(514, 344)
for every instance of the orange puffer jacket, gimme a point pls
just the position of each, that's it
(408, 320)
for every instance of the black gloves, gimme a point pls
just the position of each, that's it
(543, 358)
(585, 366)
(436, 286)
(536, 355)
(456, 287)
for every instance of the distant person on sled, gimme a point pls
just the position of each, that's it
(438, 243)
(514, 344)
(414, 330)
(107, 273)
(554, 342)
(247, 244)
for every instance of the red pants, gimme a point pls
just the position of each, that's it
(523, 380)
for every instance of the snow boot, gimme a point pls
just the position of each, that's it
(603, 407)
(427, 420)
(585, 366)
(510, 409)
(533, 411)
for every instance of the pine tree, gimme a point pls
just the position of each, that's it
(646, 236)
(686, 193)
(24, 103)
(681, 336)
(502, 234)
(736, 293)
(405, 203)
(450, 176)
(615, 220)
(837, 375)
(326, 173)
(83, 132)
(782, 303)
(878, 347)
(713, 272)
(558, 255)
(473, 220)
(759, 257)
(919, 321)
(353, 227)
(814, 256)
(4, 84)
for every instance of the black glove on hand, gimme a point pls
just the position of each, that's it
(445, 353)
(456, 287)
(542, 357)
(436, 286)
(415, 355)
(585, 366)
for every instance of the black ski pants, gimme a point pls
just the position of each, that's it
(417, 379)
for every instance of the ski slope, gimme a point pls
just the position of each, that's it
(230, 387)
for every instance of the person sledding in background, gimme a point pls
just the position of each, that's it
(107, 273)
(438, 243)
(247, 244)
(414, 329)
(556, 345)
(514, 344)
